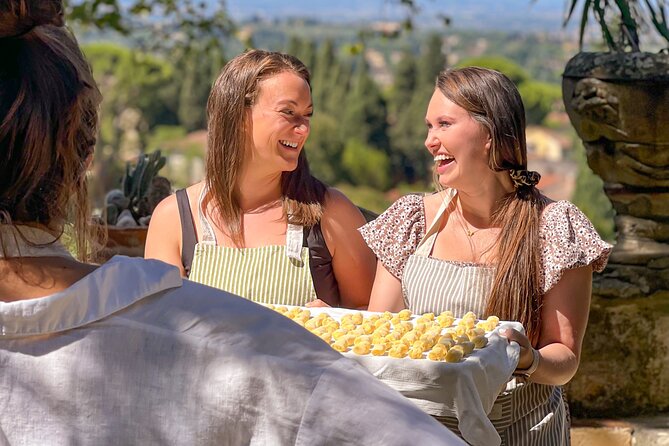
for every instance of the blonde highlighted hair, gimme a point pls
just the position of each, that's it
(234, 92)
(493, 100)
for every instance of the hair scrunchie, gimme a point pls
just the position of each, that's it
(524, 178)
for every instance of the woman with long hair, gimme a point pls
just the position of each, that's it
(128, 352)
(260, 225)
(491, 243)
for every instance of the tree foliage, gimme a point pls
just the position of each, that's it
(156, 22)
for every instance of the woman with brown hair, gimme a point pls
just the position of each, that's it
(128, 352)
(491, 243)
(260, 225)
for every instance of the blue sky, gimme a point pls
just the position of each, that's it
(517, 15)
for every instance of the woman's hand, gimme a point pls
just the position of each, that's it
(316, 304)
(526, 356)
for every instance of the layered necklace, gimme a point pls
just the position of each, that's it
(477, 254)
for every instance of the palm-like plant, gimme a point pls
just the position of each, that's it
(629, 16)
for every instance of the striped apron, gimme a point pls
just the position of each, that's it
(278, 275)
(525, 413)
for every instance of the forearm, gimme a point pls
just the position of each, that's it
(557, 365)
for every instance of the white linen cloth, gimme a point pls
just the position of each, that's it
(466, 390)
(132, 355)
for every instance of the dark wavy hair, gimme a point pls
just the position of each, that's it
(48, 120)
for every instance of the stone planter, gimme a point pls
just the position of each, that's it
(619, 105)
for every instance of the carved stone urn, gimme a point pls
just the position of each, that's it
(619, 105)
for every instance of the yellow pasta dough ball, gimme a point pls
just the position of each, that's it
(455, 354)
(339, 333)
(332, 325)
(474, 332)
(348, 338)
(378, 349)
(436, 355)
(397, 351)
(357, 331)
(363, 338)
(461, 339)
(340, 346)
(387, 315)
(282, 310)
(410, 337)
(362, 348)
(447, 342)
(347, 326)
(356, 318)
(407, 325)
(427, 317)
(311, 324)
(404, 315)
(327, 337)
(445, 321)
(393, 336)
(470, 314)
(467, 347)
(493, 320)
(422, 344)
(415, 353)
(461, 330)
(367, 327)
(480, 341)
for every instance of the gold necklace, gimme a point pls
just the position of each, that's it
(464, 225)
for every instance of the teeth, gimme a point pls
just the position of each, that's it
(442, 157)
(288, 143)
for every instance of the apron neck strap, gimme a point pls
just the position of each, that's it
(425, 246)
(294, 233)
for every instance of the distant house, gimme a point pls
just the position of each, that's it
(547, 154)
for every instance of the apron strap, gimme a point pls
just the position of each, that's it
(208, 235)
(427, 243)
(294, 241)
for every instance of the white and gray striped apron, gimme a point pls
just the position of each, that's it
(524, 414)
(278, 275)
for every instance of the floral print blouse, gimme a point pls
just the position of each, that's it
(568, 239)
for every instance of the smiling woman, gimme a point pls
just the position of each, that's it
(489, 242)
(261, 225)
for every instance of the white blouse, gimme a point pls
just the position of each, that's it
(131, 354)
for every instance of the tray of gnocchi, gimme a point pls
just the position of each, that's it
(448, 366)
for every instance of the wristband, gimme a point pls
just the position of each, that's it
(532, 368)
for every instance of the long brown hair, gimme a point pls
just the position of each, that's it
(493, 100)
(48, 120)
(229, 133)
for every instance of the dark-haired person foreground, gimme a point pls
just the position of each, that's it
(491, 243)
(128, 352)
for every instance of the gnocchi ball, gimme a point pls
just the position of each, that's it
(480, 341)
(404, 315)
(455, 354)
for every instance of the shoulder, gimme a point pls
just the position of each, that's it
(166, 211)
(336, 201)
(569, 240)
(394, 235)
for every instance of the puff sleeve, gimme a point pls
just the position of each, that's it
(568, 240)
(394, 235)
